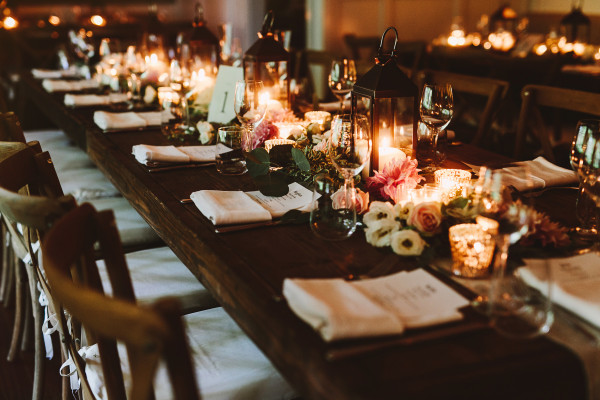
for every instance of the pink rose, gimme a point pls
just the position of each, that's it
(426, 217)
(361, 200)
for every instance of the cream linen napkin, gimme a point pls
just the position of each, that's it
(56, 85)
(171, 154)
(237, 207)
(82, 100)
(339, 309)
(127, 120)
(543, 174)
(576, 284)
(54, 73)
(229, 207)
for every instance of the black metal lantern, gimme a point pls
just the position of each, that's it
(267, 61)
(576, 26)
(390, 100)
(204, 46)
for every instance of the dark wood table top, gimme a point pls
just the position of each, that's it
(245, 272)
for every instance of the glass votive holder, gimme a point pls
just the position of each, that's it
(270, 143)
(287, 129)
(452, 183)
(318, 117)
(472, 250)
(426, 194)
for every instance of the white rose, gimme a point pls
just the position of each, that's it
(378, 211)
(206, 132)
(407, 243)
(379, 234)
(402, 211)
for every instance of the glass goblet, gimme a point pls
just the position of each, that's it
(180, 80)
(249, 108)
(342, 78)
(436, 109)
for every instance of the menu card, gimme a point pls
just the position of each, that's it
(576, 283)
(339, 309)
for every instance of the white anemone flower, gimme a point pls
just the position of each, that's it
(378, 211)
(379, 234)
(407, 243)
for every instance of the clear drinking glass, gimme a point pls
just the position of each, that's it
(436, 109)
(342, 78)
(180, 80)
(136, 65)
(328, 221)
(229, 156)
(249, 108)
(588, 133)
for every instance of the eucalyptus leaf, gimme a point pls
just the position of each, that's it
(300, 159)
(258, 162)
(273, 184)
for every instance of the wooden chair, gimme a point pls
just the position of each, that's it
(25, 169)
(486, 91)
(148, 334)
(531, 126)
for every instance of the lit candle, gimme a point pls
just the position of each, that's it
(452, 182)
(388, 153)
(425, 194)
(287, 129)
(472, 250)
(317, 117)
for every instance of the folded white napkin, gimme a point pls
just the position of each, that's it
(82, 100)
(576, 283)
(339, 309)
(237, 207)
(54, 73)
(229, 207)
(127, 120)
(171, 154)
(543, 174)
(56, 85)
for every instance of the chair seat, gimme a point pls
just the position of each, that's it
(49, 139)
(134, 231)
(86, 183)
(228, 365)
(157, 273)
(64, 154)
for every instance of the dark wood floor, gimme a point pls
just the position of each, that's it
(16, 378)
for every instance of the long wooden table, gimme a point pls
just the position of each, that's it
(245, 272)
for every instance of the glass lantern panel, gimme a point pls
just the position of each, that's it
(274, 77)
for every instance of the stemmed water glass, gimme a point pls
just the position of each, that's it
(588, 133)
(590, 171)
(515, 309)
(136, 65)
(180, 80)
(342, 78)
(249, 108)
(436, 109)
(349, 150)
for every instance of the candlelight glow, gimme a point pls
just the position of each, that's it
(541, 49)
(54, 20)
(98, 20)
(10, 23)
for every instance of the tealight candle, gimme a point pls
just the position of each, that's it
(317, 117)
(270, 143)
(387, 154)
(472, 250)
(425, 194)
(452, 182)
(287, 129)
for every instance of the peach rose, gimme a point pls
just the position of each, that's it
(426, 217)
(361, 200)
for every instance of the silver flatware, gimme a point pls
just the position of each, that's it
(244, 227)
(178, 166)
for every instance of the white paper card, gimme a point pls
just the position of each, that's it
(298, 198)
(220, 108)
(417, 297)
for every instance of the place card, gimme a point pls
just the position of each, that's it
(298, 198)
(220, 108)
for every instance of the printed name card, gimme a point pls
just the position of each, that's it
(220, 108)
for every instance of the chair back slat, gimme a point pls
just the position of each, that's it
(10, 128)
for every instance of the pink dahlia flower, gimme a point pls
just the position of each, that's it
(397, 176)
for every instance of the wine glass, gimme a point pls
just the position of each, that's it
(136, 65)
(349, 150)
(180, 80)
(436, 109)
(342, 78)
(515, 309)
(588, 132)
(249, 108)
(590, 172)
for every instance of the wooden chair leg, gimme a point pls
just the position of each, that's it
(28, 323)
(19, 300)
(40, 349)
(8, 280)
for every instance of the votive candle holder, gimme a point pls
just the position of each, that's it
(317, 117)
(472, 250)
(270, 143)
(452, 183)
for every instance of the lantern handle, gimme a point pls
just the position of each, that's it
(267, 26)
(379, 51)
